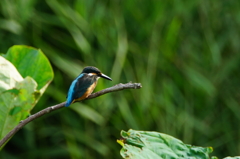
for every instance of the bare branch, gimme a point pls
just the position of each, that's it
(22, 123)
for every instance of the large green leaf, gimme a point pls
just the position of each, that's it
(31, 62)
(17, 96)
(154, 145)
(21, 84)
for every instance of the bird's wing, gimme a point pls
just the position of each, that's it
(82, 85)
(78, 88)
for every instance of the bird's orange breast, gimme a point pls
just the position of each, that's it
(87, 93)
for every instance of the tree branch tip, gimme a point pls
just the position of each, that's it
(139, 85)
(136, 85)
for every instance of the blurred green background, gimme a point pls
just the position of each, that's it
(185, 54)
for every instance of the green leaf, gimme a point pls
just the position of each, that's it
(14, 91)
(15, 108)
(17, 96)
(154, 145)
(22, 83)
(31, 62)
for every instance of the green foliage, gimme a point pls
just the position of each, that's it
(185, 54)
(19, 86)
(31, 62)
(154, 145)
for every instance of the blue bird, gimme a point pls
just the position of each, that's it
(84, 84)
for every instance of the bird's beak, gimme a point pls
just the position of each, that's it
(105, 76)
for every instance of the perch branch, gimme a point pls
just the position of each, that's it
(22, 123)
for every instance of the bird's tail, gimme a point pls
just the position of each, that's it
(68, 102)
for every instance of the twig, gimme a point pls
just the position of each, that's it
(22, 123)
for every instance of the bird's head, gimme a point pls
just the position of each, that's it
(93, 71)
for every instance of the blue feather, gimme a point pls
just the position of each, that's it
(70, 96)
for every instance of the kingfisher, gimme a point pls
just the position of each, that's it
(84, 84)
